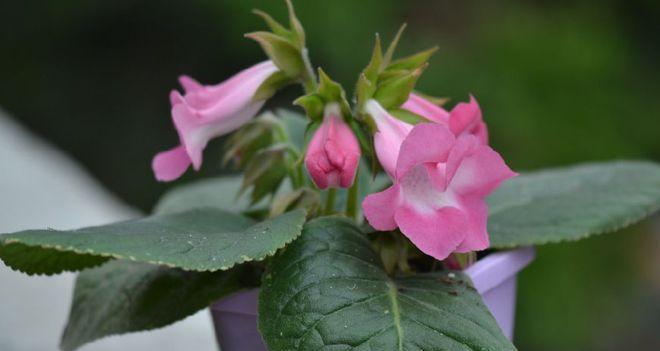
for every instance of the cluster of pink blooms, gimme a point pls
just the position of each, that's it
(441, 170)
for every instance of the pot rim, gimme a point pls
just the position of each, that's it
(486, 274)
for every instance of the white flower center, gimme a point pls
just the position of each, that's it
(419, 191)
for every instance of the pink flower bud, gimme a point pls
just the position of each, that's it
(333, 154)
(205, 112)
(438, 196)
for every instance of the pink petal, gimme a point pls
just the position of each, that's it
(379, 208)
(237, 91)
(171, 164)
(189, 84)
(476, 235)
(481, 132)
(427, 142)
(390, 136)
(475, 169)
(419, 105)
(436, 233)
(187, 125)
(465, 116)
(176, 98)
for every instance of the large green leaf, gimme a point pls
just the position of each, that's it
(572, 203)
(123, 296)
(199, 240)
(328, 291)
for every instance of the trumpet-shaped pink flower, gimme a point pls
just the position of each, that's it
(387, 140)
(208, 111)
(438, 196)
(333, 154)
(464, 118)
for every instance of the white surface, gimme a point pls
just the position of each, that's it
(40, 187)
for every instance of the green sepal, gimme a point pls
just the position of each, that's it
(283, 52)
(271, 85)
(407, 116)
(393, 92)
(304, 198)
(365, 89)
(312, 104)
(375, 64)
(296, 27)
(274, 25)
(265, 172)
(332, 91)
(258, 134)
(413, 61)
(392, 47)
(436, 100)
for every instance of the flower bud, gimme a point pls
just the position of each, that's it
(333, 154)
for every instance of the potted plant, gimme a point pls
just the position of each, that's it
(388, 223)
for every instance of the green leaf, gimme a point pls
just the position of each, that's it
(199, 240)
(572, 203)
(295, 125)
(123, 296)
(328, 291)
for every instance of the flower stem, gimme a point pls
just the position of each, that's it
(351, 203)
(308, 76)
(331, 195)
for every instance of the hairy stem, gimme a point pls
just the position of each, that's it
(331, 195)
(308, 76)
(351, 203)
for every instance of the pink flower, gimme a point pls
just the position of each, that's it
(208, 111)
(387, 140)
(334, 153)
(438, 196)
(464, 118)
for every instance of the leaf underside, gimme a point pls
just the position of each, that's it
(572, 203)
(124, 296)
(328, 291)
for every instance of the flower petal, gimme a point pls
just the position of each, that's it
(171, 164)
(475, 169)
(435, 233)
(189, 84)
(464, 116)
(419, 105)
(476, 235)
(379, 208)
(427, 142)
(237, 91)
(389, 137)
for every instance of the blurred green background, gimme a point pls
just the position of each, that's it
(559, 82)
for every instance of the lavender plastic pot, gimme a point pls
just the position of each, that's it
(494, 277)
